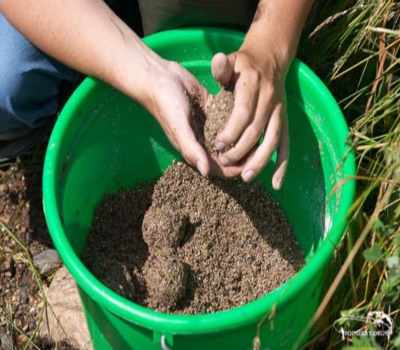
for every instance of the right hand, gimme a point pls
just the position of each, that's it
(260, 106)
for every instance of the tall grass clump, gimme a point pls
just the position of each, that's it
(354, 47)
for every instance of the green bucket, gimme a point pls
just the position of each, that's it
(103, 141)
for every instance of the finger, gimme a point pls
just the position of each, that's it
(182, 137)
(283, 156)
(192, 151)
(244, 107)
(217, 169)
(222, 68)
(267, 147)
(251, 135)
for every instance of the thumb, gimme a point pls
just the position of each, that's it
(222, 68)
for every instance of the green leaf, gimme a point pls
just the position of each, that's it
(389, 231)
(378, 225)
(397, 341)
(364, 343)
(372, 254)
(393, 262)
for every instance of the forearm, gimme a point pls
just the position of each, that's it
(87, 36)
(277, 26)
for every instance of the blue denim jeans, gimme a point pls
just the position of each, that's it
(29, 83)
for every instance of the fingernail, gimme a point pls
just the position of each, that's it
(248, 175)
(224, 161)
(220, 146)
(201, 168)
(277, 184)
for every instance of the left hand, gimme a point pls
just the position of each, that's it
(260, 107)
(165, 97)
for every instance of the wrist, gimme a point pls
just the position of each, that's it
(275, 32)
(271, 58)
(137, 73)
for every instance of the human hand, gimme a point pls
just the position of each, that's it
(260, 107)
(167, 99)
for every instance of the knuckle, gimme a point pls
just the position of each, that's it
(269, 92)
(254, 134)
(173, 65)
(257, 167)
(274, 139)
(247, 117)
(186, 154)
(233, 155)
(227, 135)
(243, 114)
(254, 76)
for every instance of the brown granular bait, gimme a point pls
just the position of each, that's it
(164, 227)
(237, 244)
(115, 275)
(217, 114)
(166, 279)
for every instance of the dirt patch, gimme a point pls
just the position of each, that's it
(20, 213)
(22, 238)
(49, 344)
(230, 243)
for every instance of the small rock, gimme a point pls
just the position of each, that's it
(47, 261)
(8, 267)
(24, 294)
(22, 339)
(7, 342)
(3, 188)
(64, 318)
